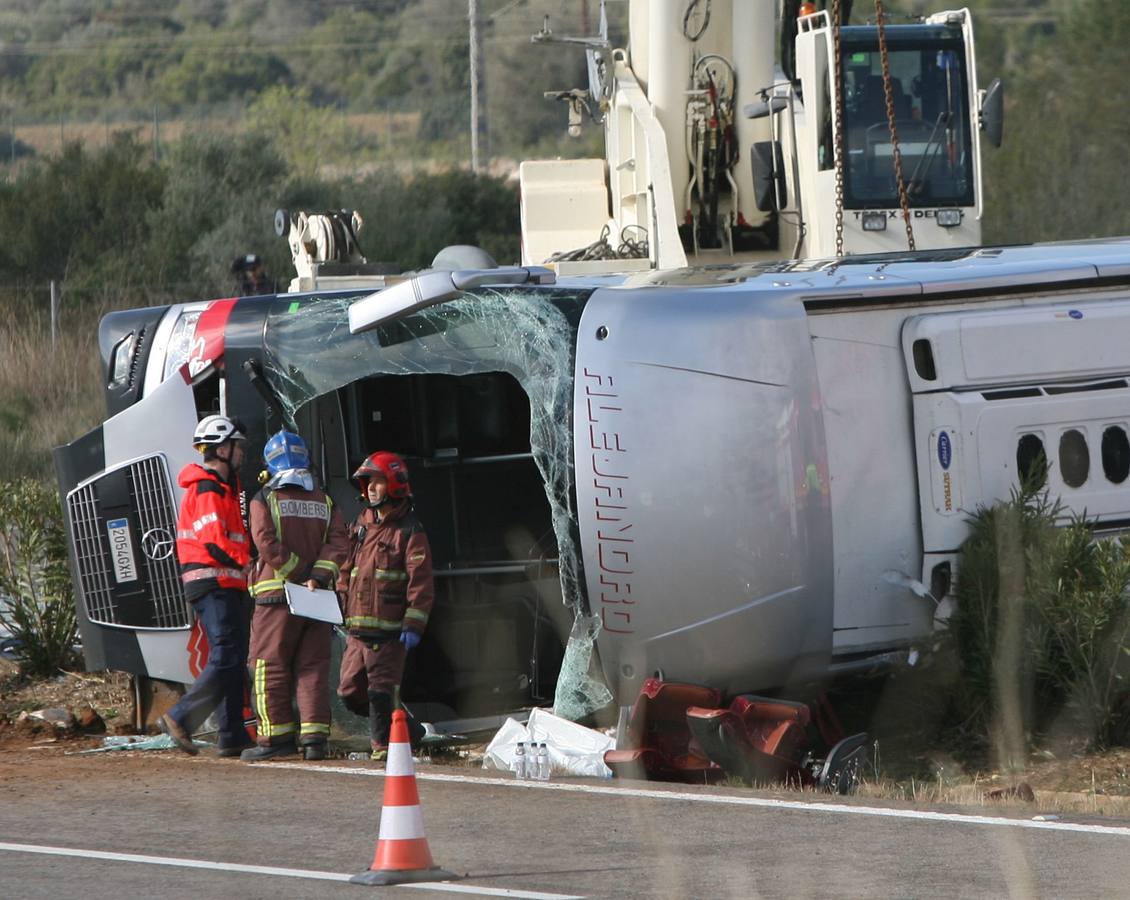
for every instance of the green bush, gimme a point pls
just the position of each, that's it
(1041, 629)
(35, 579)
(79, 217)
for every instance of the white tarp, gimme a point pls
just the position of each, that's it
(573, 749)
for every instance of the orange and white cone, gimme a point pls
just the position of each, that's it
(402, 848)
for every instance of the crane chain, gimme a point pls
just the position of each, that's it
(839, 128)
(888, 91)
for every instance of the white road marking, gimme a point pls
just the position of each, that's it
(448, 887)
(493, 892)
(817, 806)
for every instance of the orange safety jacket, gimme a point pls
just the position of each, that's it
(212, 544)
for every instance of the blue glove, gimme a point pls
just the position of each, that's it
(409, 639)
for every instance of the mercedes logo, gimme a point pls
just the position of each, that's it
(157, 543)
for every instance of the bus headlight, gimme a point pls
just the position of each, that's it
(181, 342)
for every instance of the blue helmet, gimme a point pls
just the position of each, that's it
(284, 451)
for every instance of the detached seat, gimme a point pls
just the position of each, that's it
(659, 744)
(758, 739)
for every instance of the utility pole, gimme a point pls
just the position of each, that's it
(476, 53)
(156, 135)
(54, 311)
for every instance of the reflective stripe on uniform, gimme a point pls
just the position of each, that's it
(289, 566)
(266, 586)
(417, 614)
(273, 502)
(198, 574)
(372, 622)
(259, 696)
(390, 574)
(353, 572)
(329, 517)
(313, 728)
(330, 565)
(266, 728)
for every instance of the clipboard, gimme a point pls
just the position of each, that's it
(313, 604)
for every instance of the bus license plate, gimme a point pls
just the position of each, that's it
(121, 550)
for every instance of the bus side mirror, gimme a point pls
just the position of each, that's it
(992, 112)
(769, 191)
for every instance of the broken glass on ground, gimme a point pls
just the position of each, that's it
(138, 742)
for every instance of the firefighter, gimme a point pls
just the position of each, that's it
(300, 538)
(389, 594)
(213, 551)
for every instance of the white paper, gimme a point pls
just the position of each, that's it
(316, 604)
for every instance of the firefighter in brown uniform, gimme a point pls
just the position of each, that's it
(301, 538)
(389, 593)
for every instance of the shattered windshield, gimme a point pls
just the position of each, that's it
(528, 334)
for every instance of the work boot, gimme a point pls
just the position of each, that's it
(261, 752)
(242, 741)
(180, 737)
(379, 752)
(380, 719)
(313, 749)
(235, 750)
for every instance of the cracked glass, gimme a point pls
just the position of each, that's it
(530, 335)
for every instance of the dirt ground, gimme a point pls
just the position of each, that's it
(1096, 784)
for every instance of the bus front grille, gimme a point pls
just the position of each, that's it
(144, 591)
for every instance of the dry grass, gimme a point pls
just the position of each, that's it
(108, 693)
(49, 395)
(49, 138)
(978, 792)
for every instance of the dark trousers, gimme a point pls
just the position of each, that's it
(220, 687)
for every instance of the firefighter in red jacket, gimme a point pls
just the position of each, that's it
(213, 551)
(389, 593)
(301, 538)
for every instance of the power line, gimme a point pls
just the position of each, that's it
(154, 47)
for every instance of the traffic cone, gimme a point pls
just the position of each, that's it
(402, 854)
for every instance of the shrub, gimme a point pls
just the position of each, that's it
(79, 217)
(1041, 628)
(35, 577)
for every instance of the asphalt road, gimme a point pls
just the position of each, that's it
(570, 838)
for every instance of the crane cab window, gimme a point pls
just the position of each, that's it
(929, 95)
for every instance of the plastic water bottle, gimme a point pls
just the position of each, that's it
(356, 756)
(520, 761)
(543, 763)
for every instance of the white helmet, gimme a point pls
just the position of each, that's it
(214, 430)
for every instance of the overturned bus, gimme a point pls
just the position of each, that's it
(751, 477)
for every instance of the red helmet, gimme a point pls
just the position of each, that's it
(389, 465)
